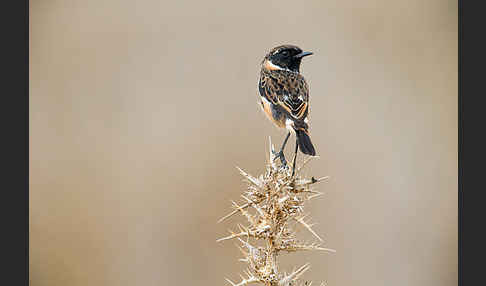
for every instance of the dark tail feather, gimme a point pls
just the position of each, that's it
(305, 143)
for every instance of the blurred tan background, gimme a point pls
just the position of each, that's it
(140, 111)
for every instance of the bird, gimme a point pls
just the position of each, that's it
(284, 97)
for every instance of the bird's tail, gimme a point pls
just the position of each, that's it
(305, 144)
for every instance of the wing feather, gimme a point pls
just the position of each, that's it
(290, 91)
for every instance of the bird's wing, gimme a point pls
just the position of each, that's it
(295, 97)
(288, 91)
(267, 89)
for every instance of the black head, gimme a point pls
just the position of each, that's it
(287, 57)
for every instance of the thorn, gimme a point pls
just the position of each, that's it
(271, 156)
(235, 235)
(294, 275)
(248, 216)
(243, 282)
(249, 246)
(252, 179)
(231, 282)
(272, 148)
(232, 213)
(255, 205)
(308, 247)
(309, 228)
(240, 227)
(315, 196)
(306, 160)
(320, 179)
(232, 235)
(326, 249)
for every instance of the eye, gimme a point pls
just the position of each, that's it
(285, 53)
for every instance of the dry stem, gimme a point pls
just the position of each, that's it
(277, 199)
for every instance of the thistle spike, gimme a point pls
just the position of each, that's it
(232, 213)
(250, 178)
(308, 227)
(294, 275)
(278, 198)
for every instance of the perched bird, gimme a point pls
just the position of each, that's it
(284, 96)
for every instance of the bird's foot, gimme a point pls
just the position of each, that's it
(280, 155)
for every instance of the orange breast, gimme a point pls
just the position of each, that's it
(267, 108)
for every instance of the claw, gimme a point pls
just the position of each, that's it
(280, 155)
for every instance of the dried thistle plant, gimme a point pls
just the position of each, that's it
(274, 206)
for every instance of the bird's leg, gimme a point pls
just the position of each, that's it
(295, 156)
(280, 154)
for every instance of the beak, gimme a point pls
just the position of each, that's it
(303, 54)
